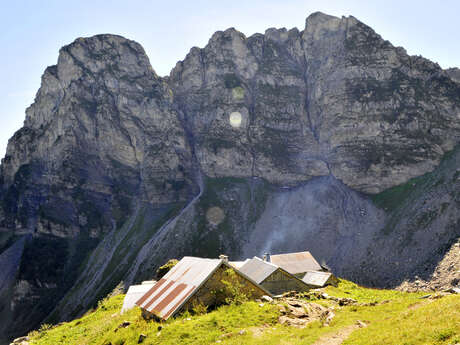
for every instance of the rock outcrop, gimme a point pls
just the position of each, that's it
(446, 275)
(102, 130)
(329, 139)
(333, 99)
(454, 74)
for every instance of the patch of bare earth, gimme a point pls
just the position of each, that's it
(259, 331)
(339, 336)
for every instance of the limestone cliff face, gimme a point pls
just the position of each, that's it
(287, 140)
(102, 131)
(454, 74)
(333, 99)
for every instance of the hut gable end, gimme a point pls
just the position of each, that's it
(215, 292)
(271, 277)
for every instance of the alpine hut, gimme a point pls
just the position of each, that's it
(273, 278)
(195, 281)
(297, 264)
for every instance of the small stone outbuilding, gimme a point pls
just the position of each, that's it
(271, 277)
(194, 282)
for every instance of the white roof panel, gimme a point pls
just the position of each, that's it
(133, 294)
(316, 278)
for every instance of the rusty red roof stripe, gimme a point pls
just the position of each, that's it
(168, 314)
(159, 294)
(181, 283)
(184, 273)
(150, 292)
(169, 298)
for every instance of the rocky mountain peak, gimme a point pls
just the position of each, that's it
(281, 35)
(318, 22)
(98, 52)
(108, 59)
(226, 35)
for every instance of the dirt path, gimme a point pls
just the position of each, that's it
(417, 305)
(336, 338)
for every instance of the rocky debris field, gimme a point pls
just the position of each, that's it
(446, 276)
(298, 313)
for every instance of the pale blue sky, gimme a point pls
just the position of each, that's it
(31, 32)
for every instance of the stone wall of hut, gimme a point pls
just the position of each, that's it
(279, 282)
(214, 292)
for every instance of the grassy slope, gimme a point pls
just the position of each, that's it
(404, 319)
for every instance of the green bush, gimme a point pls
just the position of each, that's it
(162, 270)
(233, 289)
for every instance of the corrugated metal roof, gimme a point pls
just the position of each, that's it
(176, 286)
(257, 269)
(134, 293)
(316, 278)
(296, 262)
(238, 264)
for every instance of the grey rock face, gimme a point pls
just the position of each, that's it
(422, 223)
(333, 99)
(102, 130)
(297, 135)
(10, 260)
(334, 222)
(454, 74)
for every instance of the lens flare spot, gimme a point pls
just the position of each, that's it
(215, 215)
(238, 93)
(235, 119)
